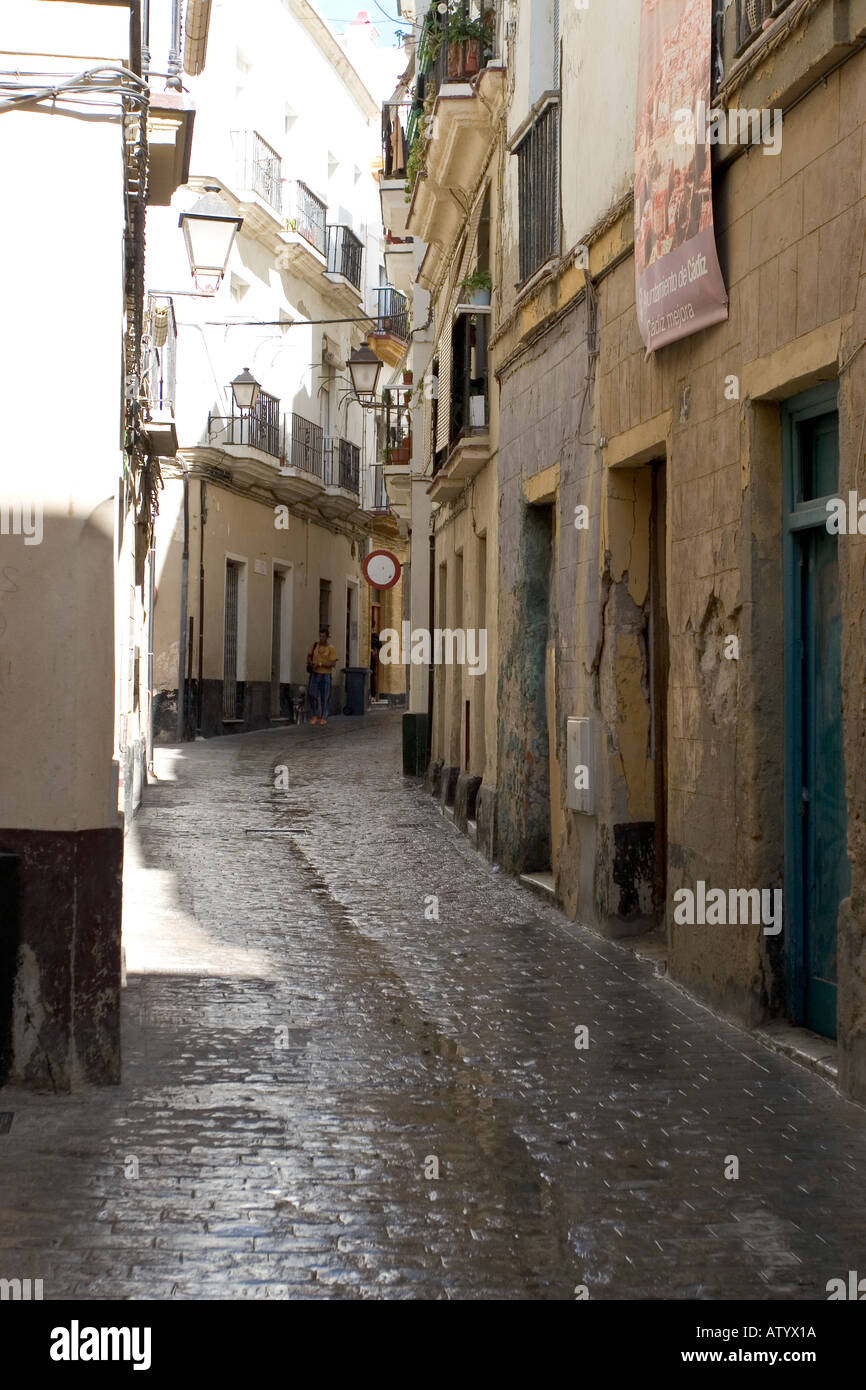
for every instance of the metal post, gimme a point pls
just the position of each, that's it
(181, 648)
(150, 633)
(174, 59)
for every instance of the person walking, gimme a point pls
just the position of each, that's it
(321, 661)
(375, 647)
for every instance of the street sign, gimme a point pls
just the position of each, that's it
(381, 569)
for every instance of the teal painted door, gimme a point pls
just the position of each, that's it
(817, 869)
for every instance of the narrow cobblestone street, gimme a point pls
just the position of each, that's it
(300, 1043)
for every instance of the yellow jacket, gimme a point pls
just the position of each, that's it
(323, 659)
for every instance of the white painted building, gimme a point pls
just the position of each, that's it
(288, 134)
(74, 515)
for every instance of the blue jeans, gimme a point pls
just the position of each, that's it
(320, 695)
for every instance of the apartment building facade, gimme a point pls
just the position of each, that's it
(679, 634)
(271, 509)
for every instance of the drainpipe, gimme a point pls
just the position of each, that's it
(430, 626)
(174, 63)
(203, 512)
(151, 600)
(181, 646)
(145, 37)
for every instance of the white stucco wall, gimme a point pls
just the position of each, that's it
(61, 245)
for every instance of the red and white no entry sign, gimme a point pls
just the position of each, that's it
(381, 569)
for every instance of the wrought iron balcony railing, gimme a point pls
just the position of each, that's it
(309, 219)
(294, 441)
(259, 167)
(303, 445)
(379, 501)
(344, 254)
(259, 428)
(342, 464)
(392, 312)
(456, 44)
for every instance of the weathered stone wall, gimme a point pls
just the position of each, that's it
(541, 471)
(790, 231)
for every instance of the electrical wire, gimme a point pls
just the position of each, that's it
(102, 80)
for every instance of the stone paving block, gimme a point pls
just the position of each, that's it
(301, 1037)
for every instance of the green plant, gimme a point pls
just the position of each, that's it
(462, 29)
(415, 158)
(478, 280)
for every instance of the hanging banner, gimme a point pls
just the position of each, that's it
(678, 281)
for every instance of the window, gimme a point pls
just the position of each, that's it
(752, 15)
(538, 191)
(324, 603)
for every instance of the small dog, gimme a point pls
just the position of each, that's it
(299, 704)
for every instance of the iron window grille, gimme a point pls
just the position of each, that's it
(259, 166)
(469, 376)
(538, 191)
(344, 254)
(752, 15)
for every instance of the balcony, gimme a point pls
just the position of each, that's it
(304, 236)
(342, 469)
(302, 447)
(259, 167)
(378, 501)
(345, 253)
(449, 153)
(310, 218)
(466, 449)
(399, 262)
(389, 339)
(264, 449)
(392, 179)
(160, 373)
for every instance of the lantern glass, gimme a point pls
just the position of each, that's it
(209, 230)
(245, 390)
(364, 368)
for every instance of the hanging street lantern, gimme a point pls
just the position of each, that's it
(364, 368)
(209, 230)
(245, 390)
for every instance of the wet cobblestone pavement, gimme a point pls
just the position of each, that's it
(301, 1043)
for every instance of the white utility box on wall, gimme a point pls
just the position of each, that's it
(581, 767)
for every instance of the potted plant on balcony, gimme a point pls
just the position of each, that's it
(469, 40)
(476, 288)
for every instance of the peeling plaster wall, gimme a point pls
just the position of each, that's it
(540, 401)
(785, 227)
